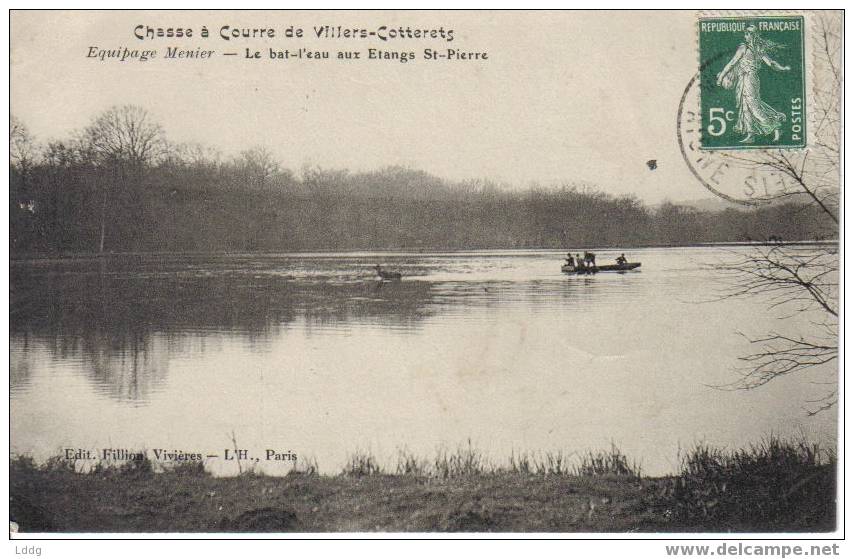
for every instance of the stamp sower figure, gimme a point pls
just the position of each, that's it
(755, 116)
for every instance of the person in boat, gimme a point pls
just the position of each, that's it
(590, 259)
(621, 260)
(579, 264)
(570, 261)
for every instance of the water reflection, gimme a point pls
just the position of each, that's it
(123, 318)
(310, 352)
(127, 317)
(69, 304)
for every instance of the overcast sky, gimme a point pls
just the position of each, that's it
(577, 97)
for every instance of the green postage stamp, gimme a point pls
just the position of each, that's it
(752, 91)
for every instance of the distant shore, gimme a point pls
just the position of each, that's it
(771, 487)
(406, 251)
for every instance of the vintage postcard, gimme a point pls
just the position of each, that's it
(384, 272)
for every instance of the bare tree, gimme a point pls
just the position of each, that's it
(196, 155)
(126, 134)
(22, 146)
(258, 165)
(798, 279)
(795, 280)
(119, 142)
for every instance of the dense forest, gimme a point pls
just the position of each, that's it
(120, 186)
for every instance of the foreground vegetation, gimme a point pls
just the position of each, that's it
(775, 486)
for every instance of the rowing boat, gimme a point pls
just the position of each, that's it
(567, 269)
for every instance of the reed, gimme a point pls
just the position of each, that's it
(465, 461)
(408, 464)
(305, 467)
(759, 484)
(361, 463)
(550, 463)
(607, 463)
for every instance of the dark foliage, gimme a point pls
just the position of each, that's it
(774, 486)
(72, 198)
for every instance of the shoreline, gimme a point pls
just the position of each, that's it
(42, 256)
(774, 486)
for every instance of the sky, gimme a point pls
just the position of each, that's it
(564, 97)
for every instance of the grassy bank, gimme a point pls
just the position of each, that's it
(775, 486)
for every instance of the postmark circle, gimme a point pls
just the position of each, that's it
(743, 177)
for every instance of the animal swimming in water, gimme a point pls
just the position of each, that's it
(388, 276)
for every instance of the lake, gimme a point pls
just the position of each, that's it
(308, 353)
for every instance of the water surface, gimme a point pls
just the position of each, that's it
(309, 353)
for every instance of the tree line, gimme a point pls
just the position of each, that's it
(119, 185)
